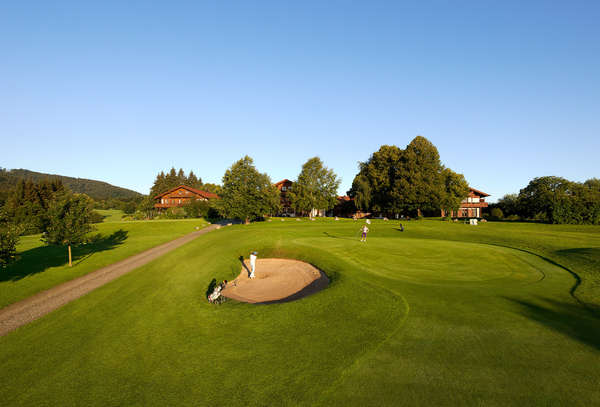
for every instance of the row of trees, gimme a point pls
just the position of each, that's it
(553, 200)
(173, 178)
(248, 194)
(392, 181)
(63, 218)
(28, 202)
(409, 181)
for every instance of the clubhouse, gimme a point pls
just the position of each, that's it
(181, 195)
(471, 206)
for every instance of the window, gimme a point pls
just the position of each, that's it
(283, 188)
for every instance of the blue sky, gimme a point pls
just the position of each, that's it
(118, 91)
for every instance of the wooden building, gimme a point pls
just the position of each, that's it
(471, 206)
(284, 186)
(181, 195)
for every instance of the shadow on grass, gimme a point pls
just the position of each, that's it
(567, 318)
(588, 256)
(341, 237)
(41, 258)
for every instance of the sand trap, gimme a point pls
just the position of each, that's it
(277, 280)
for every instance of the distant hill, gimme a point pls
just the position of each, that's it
(97, 190)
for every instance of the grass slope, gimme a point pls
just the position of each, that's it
(441, 314)
(111, 215)
(41, 267)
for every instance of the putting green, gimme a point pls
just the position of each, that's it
(429, 261)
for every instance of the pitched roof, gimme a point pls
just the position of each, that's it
(344, 198)
(283, 181)
(478, 192)
(203, 194)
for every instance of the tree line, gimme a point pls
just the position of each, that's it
(47, 207)
(553, 200)
(392, 181)
(97, 190)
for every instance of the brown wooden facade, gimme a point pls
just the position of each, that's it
(180, 196)
(284, 186)
(471, 206)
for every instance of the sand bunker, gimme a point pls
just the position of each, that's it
(276, 280)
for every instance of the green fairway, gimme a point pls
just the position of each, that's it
(441, 314)
(41, 267)
(111, 215)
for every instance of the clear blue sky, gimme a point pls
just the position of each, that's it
(118, 91)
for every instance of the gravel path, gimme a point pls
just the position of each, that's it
(38, 305)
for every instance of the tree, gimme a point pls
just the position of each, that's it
(316, 188)
(196, 208)
(546, 198)
(9, 239)
(28, 203)
(509, 204)
(69, 221)
(421, 180)
(146, 206)
(455, 190)
(193, 181)
(379, 177)
(361, 192)
(173, 179)
(247, 194)
(396, 180)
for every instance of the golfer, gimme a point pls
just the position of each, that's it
(365, 230)
(252, 263)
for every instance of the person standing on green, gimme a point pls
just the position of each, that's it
(365, 230)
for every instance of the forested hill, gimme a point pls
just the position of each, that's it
(97, 190)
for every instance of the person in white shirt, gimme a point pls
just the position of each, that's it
(252, 263)
(365, 230)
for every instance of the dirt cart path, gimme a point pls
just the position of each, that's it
(38, 305)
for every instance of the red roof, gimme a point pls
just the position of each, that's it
(478, 192)
(344, 198)
(283, 181)
(203, 194)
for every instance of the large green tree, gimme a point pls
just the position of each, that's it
(393, 180)
(70, 217)
(558, 200)
(28, 203)
(246, 193)
(455, 190)
(315, 189)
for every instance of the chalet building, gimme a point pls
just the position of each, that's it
(471, 206)
(284, 186)
(181, 195)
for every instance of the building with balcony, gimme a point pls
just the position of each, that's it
(471, 206)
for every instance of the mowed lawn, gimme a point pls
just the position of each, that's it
(111, 215)
(441, 314)
(41, 267)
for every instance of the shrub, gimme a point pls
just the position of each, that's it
(496, 213)
(9, 238)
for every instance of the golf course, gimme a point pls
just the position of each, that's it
(442, 313)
